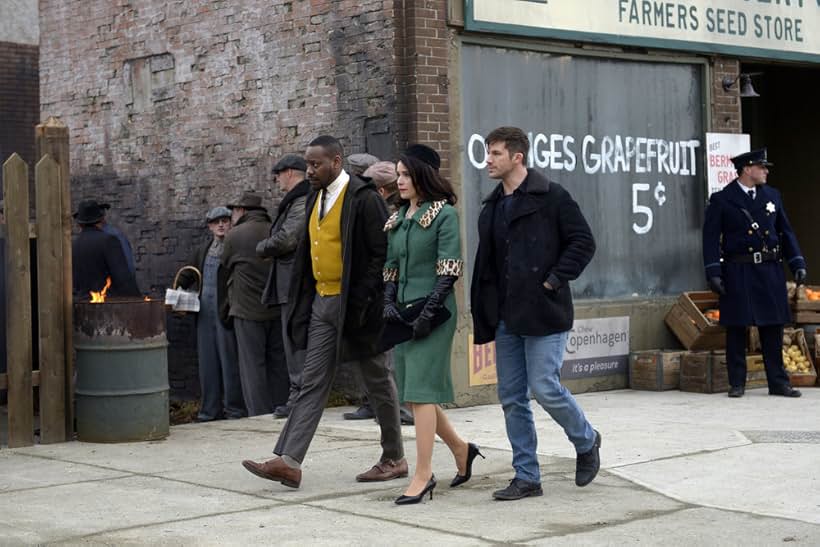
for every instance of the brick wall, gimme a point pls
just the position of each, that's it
(176, 107)
(19, 101)
(726, 117)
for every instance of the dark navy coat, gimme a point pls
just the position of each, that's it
(755, 293)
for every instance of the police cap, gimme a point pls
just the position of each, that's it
(755, 157)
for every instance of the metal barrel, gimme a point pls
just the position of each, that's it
(122, 388)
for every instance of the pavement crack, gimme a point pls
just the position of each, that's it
(73, 539)
(678, 456)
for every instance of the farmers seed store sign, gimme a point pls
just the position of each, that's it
(781, 29)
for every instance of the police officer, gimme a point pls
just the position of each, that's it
(746, 238)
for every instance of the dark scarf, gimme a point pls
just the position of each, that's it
(297, 191)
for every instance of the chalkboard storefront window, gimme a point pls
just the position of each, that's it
(624, 137)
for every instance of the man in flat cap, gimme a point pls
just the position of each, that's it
(746, 238)
(383, 175)
(357, 164)
(280, 247)
(97, 255)
(262, 367)
(221, 390)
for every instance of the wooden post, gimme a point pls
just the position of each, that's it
(18, 287)
(52, 139)
(50, 300)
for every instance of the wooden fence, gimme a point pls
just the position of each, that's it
(51, 233)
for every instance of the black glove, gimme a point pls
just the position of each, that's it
(423, 323)
(716, 284)
(800, 276)
(391, 310)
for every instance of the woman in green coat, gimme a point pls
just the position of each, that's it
(423, 263)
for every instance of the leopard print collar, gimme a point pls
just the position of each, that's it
(425, 220)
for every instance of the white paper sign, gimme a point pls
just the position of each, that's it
(720, 149)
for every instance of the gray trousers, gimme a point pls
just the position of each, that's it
(295, 360)
(262, 366)
(317, 379)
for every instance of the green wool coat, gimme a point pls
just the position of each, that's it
(419, 250)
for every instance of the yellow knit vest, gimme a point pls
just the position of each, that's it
(326, 246)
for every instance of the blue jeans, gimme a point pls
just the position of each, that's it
(534, 363)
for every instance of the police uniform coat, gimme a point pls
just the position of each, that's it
(755, 293)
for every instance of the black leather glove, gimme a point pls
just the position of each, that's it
(423, 323)
(716, 284)
(391, 310)
(800, 276)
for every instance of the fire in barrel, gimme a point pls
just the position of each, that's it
(122, 369)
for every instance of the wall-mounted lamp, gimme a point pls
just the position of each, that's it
(746, 89)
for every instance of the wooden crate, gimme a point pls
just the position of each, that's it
(704, 372)
(817, 351)
(802, 317)
(806, 311)
(655, 370)
(801, 379)
(755, 371)
(692, 328)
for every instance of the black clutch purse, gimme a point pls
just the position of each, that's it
(395, 333)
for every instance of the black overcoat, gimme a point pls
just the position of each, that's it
(364, 249)
(95, 256)
(755, 293)
(549, 240)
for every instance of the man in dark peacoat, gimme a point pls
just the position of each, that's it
(746, 236)
(97, 255)
(549, 239)
(533, 240)
(342, 320)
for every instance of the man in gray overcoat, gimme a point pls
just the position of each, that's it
(280, 247)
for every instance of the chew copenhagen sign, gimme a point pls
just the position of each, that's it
(781, 29)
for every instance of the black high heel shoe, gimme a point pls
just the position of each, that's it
(472, 452)
(409, 500)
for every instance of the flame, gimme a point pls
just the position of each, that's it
(146, 299)
(99, 297)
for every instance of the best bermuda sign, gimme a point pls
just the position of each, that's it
(782, 29)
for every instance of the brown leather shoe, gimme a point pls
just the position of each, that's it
(276, 470)
(384, 471)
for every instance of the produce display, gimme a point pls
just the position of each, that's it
(794, 361)
(712, 315)
(807, 293)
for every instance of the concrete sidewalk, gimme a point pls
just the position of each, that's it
(678, 469)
